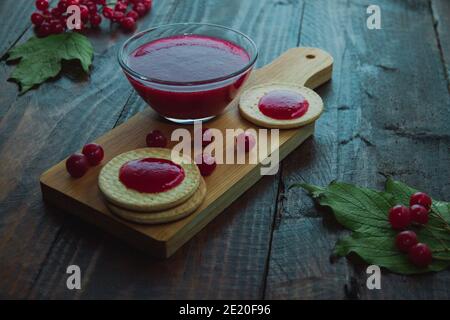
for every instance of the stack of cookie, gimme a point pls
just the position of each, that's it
(131, 181)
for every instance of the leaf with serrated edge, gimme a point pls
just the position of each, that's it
(40, 58)
(365, 212)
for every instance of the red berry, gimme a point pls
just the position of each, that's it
(41, 4)
(100, 2)
(108, 13)
(206, 164)
(156, 139)
(405, 240)
(120, 7)
(140, 9)
(94, 153)
(56, 27)
(43, 30)
(73, 2)
(37, 19)
(420, 198)
(133, 14)
(56, 13)
(249, 141)
(420, 255)
(77, 165)
(419, 214)
(95, 20)
(84, 13)
(92, 7)
(62, 5)
(118, 16)
(147, 4)
(399, 217)
(128, 23)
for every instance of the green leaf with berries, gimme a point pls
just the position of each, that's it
(368, 213)
(41, 58)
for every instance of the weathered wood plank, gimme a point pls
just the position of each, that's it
(441, 14)
(14, 21)
(387, 111)
(227, 259)
(39, 129)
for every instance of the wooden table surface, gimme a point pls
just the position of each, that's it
(387, 113)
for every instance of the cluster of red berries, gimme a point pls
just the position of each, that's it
(49, 21)
(400, 217)
(78, 164)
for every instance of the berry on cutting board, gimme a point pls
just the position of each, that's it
(77, 165)
(156, 139)
(94, 153)
(206, 164)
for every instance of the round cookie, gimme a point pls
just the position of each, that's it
(248, 106)
(118, 194)
(169, 215)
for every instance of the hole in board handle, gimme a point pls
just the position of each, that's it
(310, 56)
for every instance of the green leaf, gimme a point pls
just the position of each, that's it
(40, 58)
(365, 212)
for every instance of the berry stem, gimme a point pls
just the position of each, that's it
(440, 257)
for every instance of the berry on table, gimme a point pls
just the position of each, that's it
(156, 139)
(206, 164)
(56, 13)
(94, 153)
(118, 16)
(140, 8)
(405, 240)
(95, 20)
(108, 13)
(37, 19)
(42, 4)
(43, 30)
(128, 23)
(84, 13)
(56, 27)
(399, 217)
(133, 14)
(120, 6)
(420, 255)
(419, 214)
(77, 165)
(62, 5)
(420, 198)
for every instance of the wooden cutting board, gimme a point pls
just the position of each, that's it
(304, 66)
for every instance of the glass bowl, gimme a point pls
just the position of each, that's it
(186, 102)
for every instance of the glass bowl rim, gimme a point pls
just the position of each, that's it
(126, 68)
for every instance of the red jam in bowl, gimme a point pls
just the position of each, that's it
(283, 105)
(188, 69)
(151, 175)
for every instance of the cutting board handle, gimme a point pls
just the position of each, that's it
(308, 67)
